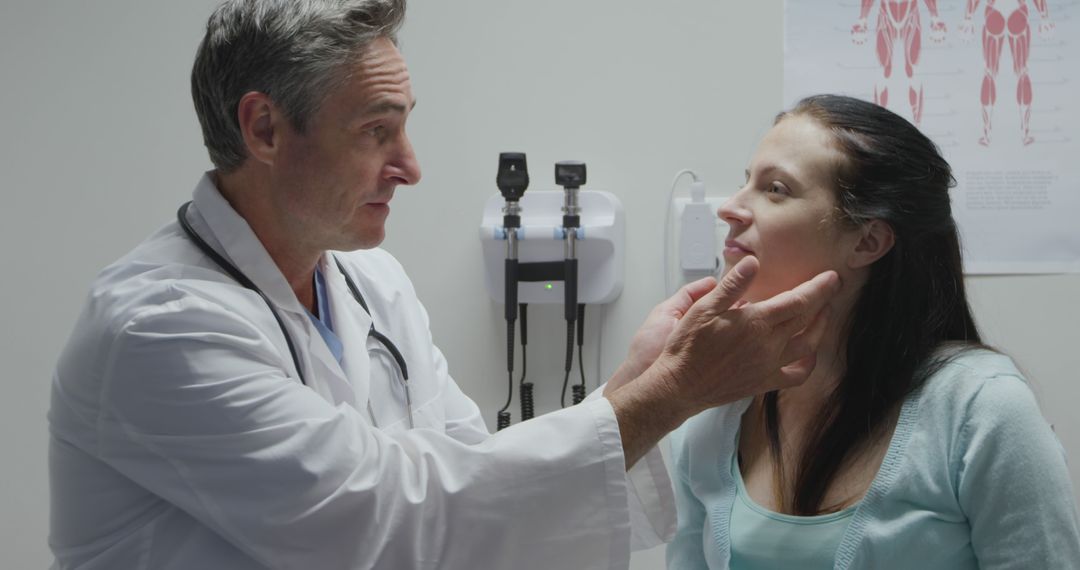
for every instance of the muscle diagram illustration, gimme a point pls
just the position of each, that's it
(898, 25)
(1006, 20)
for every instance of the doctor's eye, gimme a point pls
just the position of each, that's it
(379, 132)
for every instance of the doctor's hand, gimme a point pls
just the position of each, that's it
(650, 339)
(719, 353)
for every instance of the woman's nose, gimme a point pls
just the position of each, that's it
(734, 212)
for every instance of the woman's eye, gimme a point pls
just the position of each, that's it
(777, 188)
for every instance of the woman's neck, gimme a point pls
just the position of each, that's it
(800, 406)
(804, 401)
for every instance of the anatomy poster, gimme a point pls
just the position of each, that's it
(995, 83)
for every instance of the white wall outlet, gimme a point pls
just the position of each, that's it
(678, 261)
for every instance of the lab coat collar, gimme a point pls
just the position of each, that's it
(241, 246)
(231, 235)
(351, 324)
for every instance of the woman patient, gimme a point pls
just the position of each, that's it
(912, 445)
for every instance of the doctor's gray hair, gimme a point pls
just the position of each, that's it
(295, 51)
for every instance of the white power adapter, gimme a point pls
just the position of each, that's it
(697, 235)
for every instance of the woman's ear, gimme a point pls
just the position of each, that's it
(876, 240)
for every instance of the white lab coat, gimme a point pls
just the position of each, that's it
(181, 437)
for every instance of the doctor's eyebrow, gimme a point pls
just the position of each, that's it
(383, 107)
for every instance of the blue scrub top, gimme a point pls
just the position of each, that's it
(323, 321)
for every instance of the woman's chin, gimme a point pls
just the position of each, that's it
(762, 289)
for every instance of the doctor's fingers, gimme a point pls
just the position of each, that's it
(730, 289)
(798, 357)
(786, 360)
(691, 293)
(797, 372)
(678, 304)
(792, 311)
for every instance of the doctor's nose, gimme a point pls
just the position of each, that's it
(404, 168)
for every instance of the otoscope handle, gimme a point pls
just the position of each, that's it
(580, 324)
(570, 290)
(511, 289)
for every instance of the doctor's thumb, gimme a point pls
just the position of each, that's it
(735, 283)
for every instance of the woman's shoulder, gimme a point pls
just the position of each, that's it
(964, 372)
(975, 385)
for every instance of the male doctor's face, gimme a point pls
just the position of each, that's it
(337, 178)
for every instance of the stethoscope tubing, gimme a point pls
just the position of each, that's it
(243, 280)
(235, 273)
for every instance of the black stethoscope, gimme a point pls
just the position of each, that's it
(235, 273)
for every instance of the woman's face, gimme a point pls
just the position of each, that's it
(786, 213)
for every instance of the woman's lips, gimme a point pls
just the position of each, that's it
(732, 247)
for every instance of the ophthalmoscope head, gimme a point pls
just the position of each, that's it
(513, 176)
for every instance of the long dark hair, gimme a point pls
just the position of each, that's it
(913, 302)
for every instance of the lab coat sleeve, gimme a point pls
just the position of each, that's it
(651, 497)
(196, 409)
(463, 419)
(1013, 483)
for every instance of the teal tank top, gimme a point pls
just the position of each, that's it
(764, 540)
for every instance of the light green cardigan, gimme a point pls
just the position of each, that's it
(974, 478)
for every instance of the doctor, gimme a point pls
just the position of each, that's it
(255, 385)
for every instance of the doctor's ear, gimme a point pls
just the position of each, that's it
(876, 239)
(260, 123)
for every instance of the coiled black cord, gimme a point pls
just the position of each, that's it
(579, 389)
(569, 360)
(578, 392)
(503, 417)
(527, 408)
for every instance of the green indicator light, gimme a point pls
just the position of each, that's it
(549, 286)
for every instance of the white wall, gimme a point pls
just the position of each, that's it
(100, 145)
